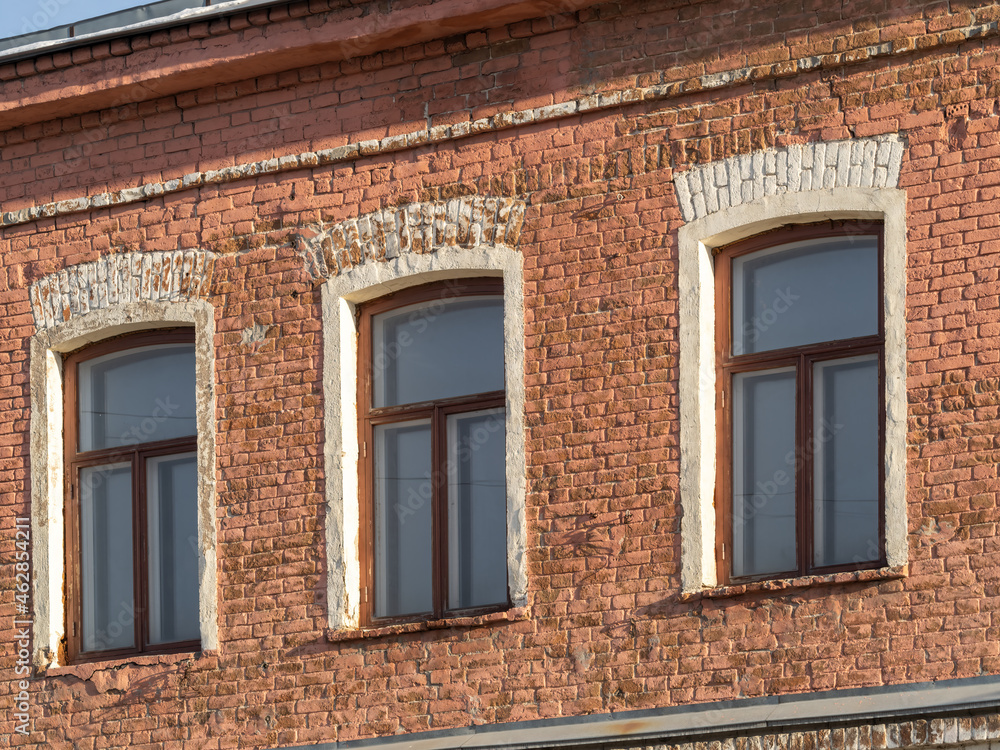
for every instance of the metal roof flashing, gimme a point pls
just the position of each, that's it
(138, 20)
(705, 722)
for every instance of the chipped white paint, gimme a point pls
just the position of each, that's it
(467, 222)
(118, 279)
(859, 163)
(255, 335)
(341, 294)
(79, 306)
(801, 200)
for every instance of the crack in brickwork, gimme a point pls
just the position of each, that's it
(863, 162)
(467, 222)
(114, 279)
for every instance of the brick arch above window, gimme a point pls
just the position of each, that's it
(330, 250)
(112, 280)
(799, 168)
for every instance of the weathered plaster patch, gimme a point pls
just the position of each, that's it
(114, 311)
(466, 222)
(341, 294)
(255, 335)
(800, 202)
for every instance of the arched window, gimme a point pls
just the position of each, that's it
(132, 496)
(433, 472)
(801, 381)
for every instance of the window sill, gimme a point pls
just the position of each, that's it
(801, 582)
(87, 670)
(511, 615)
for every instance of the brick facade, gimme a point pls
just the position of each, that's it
(246, 160)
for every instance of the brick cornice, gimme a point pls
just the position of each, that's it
(946, 714)
(581, 105)
(190, 56)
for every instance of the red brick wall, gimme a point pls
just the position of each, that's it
(605, 629)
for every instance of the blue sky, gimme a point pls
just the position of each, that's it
(25, 16)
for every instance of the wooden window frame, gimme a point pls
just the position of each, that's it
(801, 358)
(136, 455)
(437, 412)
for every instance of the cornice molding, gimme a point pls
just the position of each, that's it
(582, 105)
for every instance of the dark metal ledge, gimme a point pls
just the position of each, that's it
(139, 20)
(786, 713)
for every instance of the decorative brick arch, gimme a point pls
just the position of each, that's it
(418, 228)
(120, 279)
(800, 168)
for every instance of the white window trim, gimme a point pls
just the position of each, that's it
(47, 455)
(341, 295)
(698, 364)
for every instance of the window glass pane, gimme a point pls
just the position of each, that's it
(106, 557)
(845, 439)
(764, 472)
(172, 517)
(477, 509)
(137, 396)
(437, 349)
(804, 293)
(403, 489)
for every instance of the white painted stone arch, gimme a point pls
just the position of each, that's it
(746, 195)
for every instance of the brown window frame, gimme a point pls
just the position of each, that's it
(437, 412)
(136, 455)
(801, 358)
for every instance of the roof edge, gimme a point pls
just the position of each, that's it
(791, 713)
(42, 42)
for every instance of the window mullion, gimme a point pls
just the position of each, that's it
(804, 464)
(439, 524)
(139, 545)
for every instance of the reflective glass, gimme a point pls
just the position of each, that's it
(764, 461)
(845, 448)
(137, 396)
(437, 349)
(804, 293)
(403, 500)
(106, 557)
(172, 517)
(477, 509)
